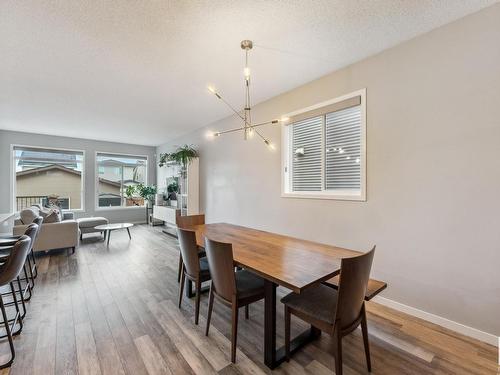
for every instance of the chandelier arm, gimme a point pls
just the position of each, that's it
(230, 131)
(266, 141)
(230, 107)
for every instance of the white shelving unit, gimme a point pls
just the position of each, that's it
(188, 198)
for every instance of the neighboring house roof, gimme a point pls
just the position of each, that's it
(109, 182)
(115, 163)
(67, 170)
(48, 168)
(37, 157)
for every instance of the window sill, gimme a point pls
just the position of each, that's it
(118, 208)
(326, 196)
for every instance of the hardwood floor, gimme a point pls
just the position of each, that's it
(113, 311)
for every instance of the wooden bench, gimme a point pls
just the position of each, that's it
(374, 286)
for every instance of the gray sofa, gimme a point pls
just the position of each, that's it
(60, 235)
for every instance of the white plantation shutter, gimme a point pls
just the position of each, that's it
(306, 168)
(324, 150)
(343, 149)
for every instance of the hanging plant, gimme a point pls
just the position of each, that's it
(182, 155)
(164, 158)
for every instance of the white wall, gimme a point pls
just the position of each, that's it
(7, 138)
(433, 129)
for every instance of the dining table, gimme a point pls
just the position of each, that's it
(280, 260)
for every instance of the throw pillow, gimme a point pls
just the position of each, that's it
(28, 215)
(50, 216)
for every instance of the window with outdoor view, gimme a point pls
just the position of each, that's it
(118, 177)
(48, 177)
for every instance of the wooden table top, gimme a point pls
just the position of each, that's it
(286, 261)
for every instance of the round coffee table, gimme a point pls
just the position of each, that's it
(107, 228)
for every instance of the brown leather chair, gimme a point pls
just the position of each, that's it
(9, 271)
(337, 313)
(194, 268)
(234, 289)
(186, 222)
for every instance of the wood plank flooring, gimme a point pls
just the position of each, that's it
(113, 311)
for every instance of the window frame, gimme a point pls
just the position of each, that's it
(13, 174)
(96, 181)
(286, 155)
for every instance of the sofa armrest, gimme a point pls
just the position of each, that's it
(68, 215)
(54, 235)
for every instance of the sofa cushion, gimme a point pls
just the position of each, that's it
(28, 215)
(91, 222)
(50, 216)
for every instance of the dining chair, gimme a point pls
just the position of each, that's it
(337, 313)
(9, 271)
(233, 288)
(194, 268)
(186, 222)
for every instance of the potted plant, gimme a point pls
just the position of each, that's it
(182, 155)
(173, 189)
(147, 192)
(131, 199)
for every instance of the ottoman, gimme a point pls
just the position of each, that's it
(88, 224)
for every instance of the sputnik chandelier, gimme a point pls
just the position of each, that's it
(248, 127)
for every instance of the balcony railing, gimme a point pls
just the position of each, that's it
(23, 202)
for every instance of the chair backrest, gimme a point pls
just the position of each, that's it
(14, 264)
(38, 221)
(221, 265)
(32, 232)
(354, 276)
(189, 251)
(188, 221)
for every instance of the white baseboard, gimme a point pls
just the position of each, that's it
(440, 321)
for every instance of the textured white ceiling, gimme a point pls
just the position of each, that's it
(137, 71)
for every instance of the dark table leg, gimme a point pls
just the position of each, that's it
(272, 357)
(128, 231)
(270, 324)
(109, 236)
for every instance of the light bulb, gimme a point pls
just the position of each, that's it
(211, 89)
(285, 119)
(250, 132)
(246, 72)
(269, 144)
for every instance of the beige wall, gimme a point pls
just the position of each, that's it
(433, 208)
(63, 184)
(108, 188)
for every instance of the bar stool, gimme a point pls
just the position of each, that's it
(25, 292)
(10, 240)
(9, 271)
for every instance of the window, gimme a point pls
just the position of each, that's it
(117, 172)
(324, 150)
(48, 177)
